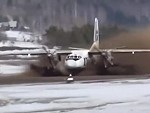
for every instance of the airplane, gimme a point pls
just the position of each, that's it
(78, 59)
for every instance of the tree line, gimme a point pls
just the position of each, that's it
(79, 36)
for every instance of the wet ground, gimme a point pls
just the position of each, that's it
(96, 78)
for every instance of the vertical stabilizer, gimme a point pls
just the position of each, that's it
(96, 37)
(96, 31)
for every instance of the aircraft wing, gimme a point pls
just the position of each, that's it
(75, 48)
(24, 52)
(129, 51)
(35, 52)
(66, 52)
(132, 51)
(63, 52)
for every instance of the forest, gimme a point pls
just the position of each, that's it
(41, 14)
(79, 36)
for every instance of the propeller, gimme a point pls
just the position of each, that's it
(51, 54)
(107, 59)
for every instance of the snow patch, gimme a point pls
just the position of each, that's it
(7, 70)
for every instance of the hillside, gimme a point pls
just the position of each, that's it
(40, 14)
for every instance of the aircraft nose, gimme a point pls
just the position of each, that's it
(70, 64)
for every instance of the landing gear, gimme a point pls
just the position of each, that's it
(70, 79)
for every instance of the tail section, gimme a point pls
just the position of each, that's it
(96, 41)
(96, 31)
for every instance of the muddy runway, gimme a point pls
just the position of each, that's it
(62, 79)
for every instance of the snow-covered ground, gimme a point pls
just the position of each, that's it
(13, 67)
(22, 35)
(17, 64)
(124, 96)
(18, 42)
(26, 51)
(8, 70)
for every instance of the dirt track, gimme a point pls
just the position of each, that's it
(26, 79)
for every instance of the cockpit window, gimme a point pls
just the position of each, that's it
(73, 57)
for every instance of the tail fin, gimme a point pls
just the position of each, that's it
(96, 31)
(95, 37)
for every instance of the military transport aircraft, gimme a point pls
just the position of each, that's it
(77, 60)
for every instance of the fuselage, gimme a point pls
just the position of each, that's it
(78, 59)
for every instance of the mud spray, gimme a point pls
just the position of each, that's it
(137, 63)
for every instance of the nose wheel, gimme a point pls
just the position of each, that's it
(70, 79)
